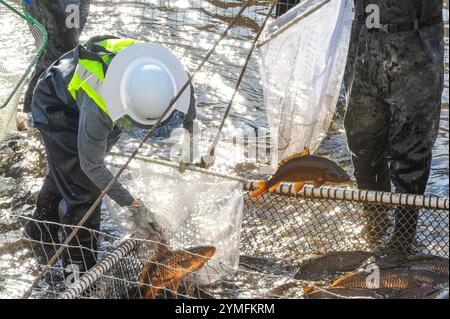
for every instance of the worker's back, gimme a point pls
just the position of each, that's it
(53, 84)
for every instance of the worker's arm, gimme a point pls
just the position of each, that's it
(94, 129)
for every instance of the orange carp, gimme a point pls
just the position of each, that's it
(301, 168)
(166, 268)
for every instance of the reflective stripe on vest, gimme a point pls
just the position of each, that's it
(89, 75)
(116, 45)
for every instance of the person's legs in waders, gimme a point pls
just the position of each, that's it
(76, 193)
(61, 37)
(393, 119)
(414, 94)
(367, 123)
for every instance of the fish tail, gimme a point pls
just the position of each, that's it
(274, 187)
(308, 289)
(261, 190)
(153, 293)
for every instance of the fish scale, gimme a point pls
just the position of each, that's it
(332, 262)
(432, 263)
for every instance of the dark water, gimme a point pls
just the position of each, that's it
(188, 28)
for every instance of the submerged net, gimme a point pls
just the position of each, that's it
(195, 209)
(16, 63)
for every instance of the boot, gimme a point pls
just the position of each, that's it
(81, 255)
(377, 223)
(404, 241)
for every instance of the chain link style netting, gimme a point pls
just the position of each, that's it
(281, 234)
(18, 30)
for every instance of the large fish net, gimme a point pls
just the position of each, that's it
(303, 57)
(18, 59)
(280, 231)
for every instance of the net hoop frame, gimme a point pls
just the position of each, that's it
(88, 279)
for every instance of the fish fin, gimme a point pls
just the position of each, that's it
(319, 252)
(337, 282)
(175, 284)
(261, 190)
(298, 186)
(303, 153)
(149, 291)
(318, 183)
(274, 187)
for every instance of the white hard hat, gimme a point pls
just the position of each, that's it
(141, 81)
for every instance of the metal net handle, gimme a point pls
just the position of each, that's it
(33, 22)
(360, 196)
(93, 275)
(331, 193)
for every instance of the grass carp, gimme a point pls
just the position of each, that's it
(301, 168)
(167, 268)
(400, 278)
(419, 293)
(433, 263)
(332, 262)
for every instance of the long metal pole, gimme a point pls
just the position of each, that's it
(294, 21)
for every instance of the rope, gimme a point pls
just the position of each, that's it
(209, 160)
(135, 152)
(331, 193)
(189, 167)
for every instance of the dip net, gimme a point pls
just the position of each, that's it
(302, 67)
(16, 62)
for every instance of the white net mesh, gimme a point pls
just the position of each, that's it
(195, 210)
(302, 70)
